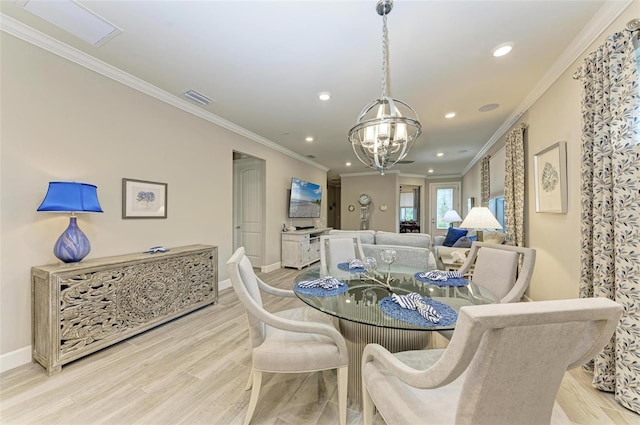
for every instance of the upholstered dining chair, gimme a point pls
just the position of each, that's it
(291, 341)
(504, 365)
(335, 249)
(495, 267)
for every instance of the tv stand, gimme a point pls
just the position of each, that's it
(301, 247)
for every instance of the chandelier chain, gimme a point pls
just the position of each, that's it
(385, 42)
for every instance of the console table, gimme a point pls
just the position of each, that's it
(80, 308)
(302, 247)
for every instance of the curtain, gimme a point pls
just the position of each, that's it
(514, 186)
(610, 186)
(485, 186)
(416, 205)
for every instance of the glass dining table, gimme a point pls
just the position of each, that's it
(366, 313)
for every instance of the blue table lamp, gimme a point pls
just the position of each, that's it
(73, 245)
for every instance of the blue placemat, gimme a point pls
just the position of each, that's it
(321, 292)
(449, 315)
(452, 281)
(345, 267)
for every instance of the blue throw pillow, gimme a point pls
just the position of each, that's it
(453, 235)
(465, 242)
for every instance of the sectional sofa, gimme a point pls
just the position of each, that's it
(412, 249)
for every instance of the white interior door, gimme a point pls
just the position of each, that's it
(248, 201)
(442, 198)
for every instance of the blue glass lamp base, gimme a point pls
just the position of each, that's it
(72, 245)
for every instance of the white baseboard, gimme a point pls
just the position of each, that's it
(225, 284)
(270, 268)
(15, 358)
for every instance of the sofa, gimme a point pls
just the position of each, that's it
(412, 249)
(461, 246)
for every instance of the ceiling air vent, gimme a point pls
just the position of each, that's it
(405, 161)
(198, 97)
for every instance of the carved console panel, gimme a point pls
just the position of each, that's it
(79, 308)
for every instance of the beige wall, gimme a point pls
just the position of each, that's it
(61, 121)
(382, 189)
(556, 237)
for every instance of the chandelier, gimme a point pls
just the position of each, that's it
(386, 128)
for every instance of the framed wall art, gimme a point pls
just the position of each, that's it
(550, 174)
(143, 199)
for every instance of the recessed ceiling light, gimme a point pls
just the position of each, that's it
(440, 154)
(502, 49)
(430, 170)
(488, 107)
(348, 164)
(324, 95)
(309, 139)
(450, 115)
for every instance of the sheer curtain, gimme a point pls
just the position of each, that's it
(514, 185)
(610, 186)
(485, 184)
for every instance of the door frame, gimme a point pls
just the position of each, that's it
(246, 158)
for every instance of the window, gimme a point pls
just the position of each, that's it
(496, 205)
(444, 199)
(407, 208)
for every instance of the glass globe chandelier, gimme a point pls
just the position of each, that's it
(386, 128)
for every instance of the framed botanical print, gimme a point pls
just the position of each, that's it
(550, 173)
(143, 199)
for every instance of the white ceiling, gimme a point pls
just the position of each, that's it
(264, 63)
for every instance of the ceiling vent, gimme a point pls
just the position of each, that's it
(198, 97)
(405, 161)
(75, 18)
(311, 156)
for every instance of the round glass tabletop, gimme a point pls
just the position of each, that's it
(365, 297)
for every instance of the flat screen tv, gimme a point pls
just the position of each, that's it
(305, 199)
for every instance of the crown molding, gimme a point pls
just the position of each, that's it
(605, 16)
(413, 176)
(24, 32)
(445, 176)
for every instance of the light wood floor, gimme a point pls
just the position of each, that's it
(193, 371)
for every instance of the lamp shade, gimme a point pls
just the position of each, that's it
(71, 197)
(480, 218)
(451, 216)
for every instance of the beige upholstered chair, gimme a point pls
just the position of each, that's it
(504, 365)
(335, 249)
(291, 341)
(495, 267)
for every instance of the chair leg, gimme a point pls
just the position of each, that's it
(367, 405)
(250, 381)
(257, 382)
(343, 373)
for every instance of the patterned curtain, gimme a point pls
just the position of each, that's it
(610, 185)
(485, 189)
(416, 206)
(514, 186)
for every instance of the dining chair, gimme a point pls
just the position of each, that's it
(504, 270)
(335, 249)
(504, 365)
(297, 340)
